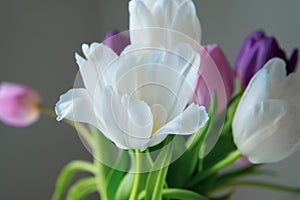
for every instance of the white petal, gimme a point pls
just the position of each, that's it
(111, 130)
(163, 10)
(258, 90)
(88, 73)
(289, 89)
(269, 131)
(188, 65)
(159, 76)
(140, 16)
(85, 49)
(140, 20)
(140, 120)
(163, 14)
(277, 71)
(187, 12)
(76, 105)
(261, 87)
(128, 121)
(94, 45)
(189, 122)
(99, 58)
(280, 145)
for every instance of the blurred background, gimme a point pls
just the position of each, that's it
(38, 39)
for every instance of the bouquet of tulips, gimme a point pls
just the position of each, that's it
(167, 118)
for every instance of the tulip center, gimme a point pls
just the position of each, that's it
(160, 115)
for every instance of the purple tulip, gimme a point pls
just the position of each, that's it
(116, 41)
(256, 50)
(215, 75)
(18, 104)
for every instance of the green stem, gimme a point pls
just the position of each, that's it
(78, 126)
(265, 185)
(137, 177)
(215, 168)
(158, 188)
(159, 177)
(102, 170)
(174, 193)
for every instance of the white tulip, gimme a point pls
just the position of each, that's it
(138, 98)
(266, 122)
(174, 15)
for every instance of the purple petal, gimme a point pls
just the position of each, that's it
(292, 63)
(258, 35)
(116, 41)
(256, 51)
(267, 49)
(244, 54)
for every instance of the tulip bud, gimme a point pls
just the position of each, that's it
(266, 123)
(256, 50)
(116, 41)
(214, 61)
(18, 104)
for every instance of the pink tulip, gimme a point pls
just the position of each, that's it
(18, 104)
(215, 75)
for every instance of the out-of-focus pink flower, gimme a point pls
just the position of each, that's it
(215, 75)
(18, 104)
(116, 41)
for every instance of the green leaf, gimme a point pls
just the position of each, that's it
(156, 179)
(174, 193)
(223, 147)
(266, 185)
(226, 196)
(227, 177)
(125, 187)
(82, 188)
(214, 169)
(115, 177)
(195, 143)
(67, 175)
(217, 182)
(113, 183)
(104, 151)
(104, 157)
(175, 176)
(225, 143)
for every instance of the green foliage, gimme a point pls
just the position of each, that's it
(175, 193)
(82, 188)
(189, 162)
(156, 179)
(115, 177)
(67, 175)
(125, 187)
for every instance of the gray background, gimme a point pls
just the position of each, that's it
(38, 39)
